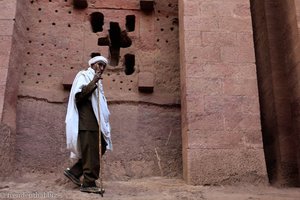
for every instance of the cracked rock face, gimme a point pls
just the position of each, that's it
(56, 47)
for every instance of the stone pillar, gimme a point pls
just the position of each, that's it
(7, 15)
(296, 84)
(222, 140)
(9, 60)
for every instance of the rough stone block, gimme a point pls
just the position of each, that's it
(242, 10)
(204, 86)
(195, 103)
(205, 121)
(193, 38)
(238, 54)
(218, 39)
(8, 9)
(245, 39)
(241, 70)
(68, 79)
(200, 54)
(5, 44)
(146, 82)
(208, 70)
(241, 121)
(3, 75)
(198, 23)
(4, 60)
(6, 149)
(253, 139)
(215, 8)
(191, 8)
(247, 87)
(6, 27)
(235, 24)
(226, 166)
(231, 104)
(215, 139)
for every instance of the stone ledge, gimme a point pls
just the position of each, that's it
(113, 4)
(146, 82)
(62, 96)
(226, 166)
(68, 79)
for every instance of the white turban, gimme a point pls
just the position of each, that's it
(97, 59)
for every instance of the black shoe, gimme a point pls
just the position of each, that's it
(72, 177)
(92, 189)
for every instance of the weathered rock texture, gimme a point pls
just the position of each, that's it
(220, 110)
(216, 112)
(277, 52)
(145, 126)
(11, 42)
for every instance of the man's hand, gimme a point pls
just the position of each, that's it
(97, 76)
(99, 68)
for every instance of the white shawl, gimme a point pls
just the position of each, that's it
(82, 79)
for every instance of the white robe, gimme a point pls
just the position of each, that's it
(82, 79)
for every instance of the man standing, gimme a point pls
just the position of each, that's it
(87, 110)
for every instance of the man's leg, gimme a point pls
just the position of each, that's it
(75, 172)
(89, 142)
(76, 169)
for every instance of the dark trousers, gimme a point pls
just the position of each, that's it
(89, 164)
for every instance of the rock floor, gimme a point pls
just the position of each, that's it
(41, 186)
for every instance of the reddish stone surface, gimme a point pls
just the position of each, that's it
(8, 86)
(6, 27)
(8, 9)
(125, 4)
(220, 82)
(146, 81)
(68, 79)
(215, 77)
(223, 166)
(6, 151)
(145, 127)
(143, 138)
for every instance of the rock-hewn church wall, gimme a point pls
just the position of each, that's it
(11, 42)
(189, 90)
(222, 140)
(141, 84)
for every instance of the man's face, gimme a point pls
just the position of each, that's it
(99, 67)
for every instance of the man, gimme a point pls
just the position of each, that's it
(87, 110)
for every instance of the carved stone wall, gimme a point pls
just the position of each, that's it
(201, 112)
(222, 141)
(145, 126)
